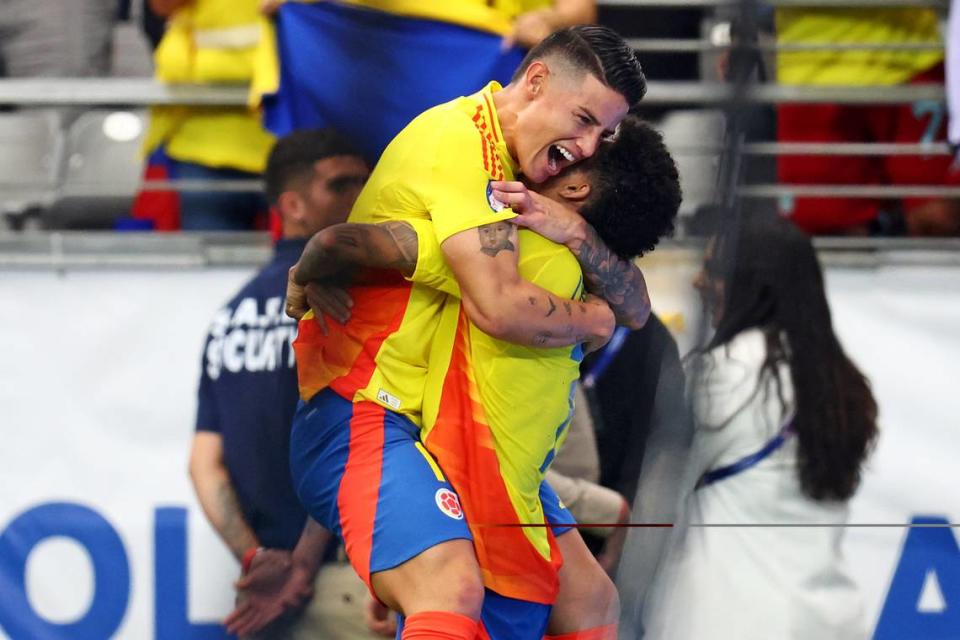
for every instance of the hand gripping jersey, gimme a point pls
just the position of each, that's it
(438, 170)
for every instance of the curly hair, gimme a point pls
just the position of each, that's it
(599, 51)
(636, 190)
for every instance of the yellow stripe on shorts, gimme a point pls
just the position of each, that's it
(431, 462)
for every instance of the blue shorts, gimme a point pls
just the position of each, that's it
(361, 471)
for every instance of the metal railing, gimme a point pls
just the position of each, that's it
(143, 92)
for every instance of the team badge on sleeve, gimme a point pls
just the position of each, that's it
(449, 503)
(495, 204)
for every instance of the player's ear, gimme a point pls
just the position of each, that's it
(291, 207)
(535, 77)
(576, 191)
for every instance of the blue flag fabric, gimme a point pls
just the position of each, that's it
(368, 73)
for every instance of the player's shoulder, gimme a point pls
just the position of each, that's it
(451, 122)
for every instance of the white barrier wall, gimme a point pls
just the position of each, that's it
(100, 535)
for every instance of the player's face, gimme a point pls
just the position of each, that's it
(567, 116)
(334, 188)
(709, 284)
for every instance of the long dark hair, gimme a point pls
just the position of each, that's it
(772, 281)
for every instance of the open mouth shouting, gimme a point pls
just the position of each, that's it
(559, 157)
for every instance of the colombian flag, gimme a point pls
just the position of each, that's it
(368, 73)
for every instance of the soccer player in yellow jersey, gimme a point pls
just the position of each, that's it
(630, 193)
(356, 452)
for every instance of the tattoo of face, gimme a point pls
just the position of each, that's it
(541, 338)
(495, 237)
(533, 301)
(568, 308)
(553, 307)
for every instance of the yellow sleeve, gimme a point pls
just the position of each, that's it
(432, 270)
(456, 190)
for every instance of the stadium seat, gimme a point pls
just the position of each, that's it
(30, 161)
(101, 173)
(693, 137)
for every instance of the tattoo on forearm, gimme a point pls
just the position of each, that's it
(319, 262)
(541, 338)
(618, 281)
(568, 308)
(495, 237)
(553, 307)
(533, 301)
(405, 240)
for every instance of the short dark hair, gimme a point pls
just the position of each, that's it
(293, 156)
(599, 51)
(635, 193)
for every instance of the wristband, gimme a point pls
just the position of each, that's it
(248, 557)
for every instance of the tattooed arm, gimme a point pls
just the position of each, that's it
(620, 282)
(389, 245)
(216, 495)
(502, 304)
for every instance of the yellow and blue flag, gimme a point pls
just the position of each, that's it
(368, 73)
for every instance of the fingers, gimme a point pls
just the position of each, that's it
(239, 618)
(508, 186)
(519, 202)
(332, 301)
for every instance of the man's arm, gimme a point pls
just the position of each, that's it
(620, 282)
(504, 305)
(389, 245)
(216, 495)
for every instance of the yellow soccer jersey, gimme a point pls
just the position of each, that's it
(437, 169)
(494, 414)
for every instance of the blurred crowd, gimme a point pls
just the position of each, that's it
(782, 420)
(272, 46)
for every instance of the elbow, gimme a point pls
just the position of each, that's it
(491, 322)
(637, 319)
(491, 319)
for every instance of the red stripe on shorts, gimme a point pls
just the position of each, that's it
(360, 485)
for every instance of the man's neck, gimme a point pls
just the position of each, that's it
(508, 101)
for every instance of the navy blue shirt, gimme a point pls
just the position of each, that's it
(248, 394)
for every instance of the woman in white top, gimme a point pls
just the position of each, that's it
(784, 423)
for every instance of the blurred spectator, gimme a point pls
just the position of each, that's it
(922, 122)
(239, 461)
(209, 41)
(57, 39)
(387, 61)
(953, 76)
(784, 423)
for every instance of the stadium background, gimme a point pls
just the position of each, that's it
(101, 336)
